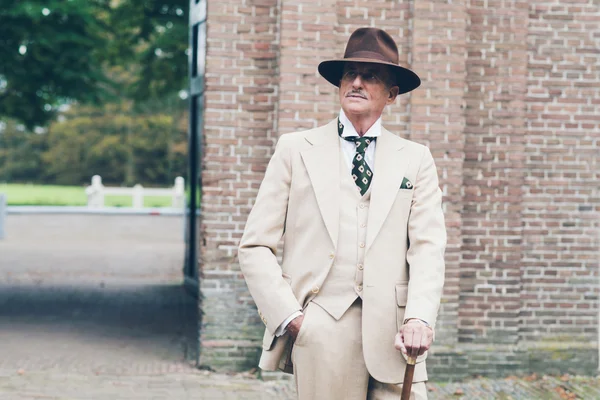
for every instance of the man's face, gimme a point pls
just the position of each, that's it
(363, 89)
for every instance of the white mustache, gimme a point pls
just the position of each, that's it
(356, 94)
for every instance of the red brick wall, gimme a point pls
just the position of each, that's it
(307, 35)
(509, 106)
(437, 120)
(239, 135)
(493, 172)
(562, 155)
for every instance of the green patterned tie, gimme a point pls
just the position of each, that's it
(361, 173)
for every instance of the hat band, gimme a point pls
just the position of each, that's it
(369, 54)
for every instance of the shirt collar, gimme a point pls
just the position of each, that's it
(374, 130)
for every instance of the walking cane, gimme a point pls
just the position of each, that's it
(408, 378)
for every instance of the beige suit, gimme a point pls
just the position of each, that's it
(403, 253)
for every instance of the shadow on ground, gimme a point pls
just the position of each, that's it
(114, 327)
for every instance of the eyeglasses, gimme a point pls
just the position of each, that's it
(365, 76)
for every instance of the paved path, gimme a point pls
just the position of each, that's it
(181, 386)
(91, 307)
(100, 293)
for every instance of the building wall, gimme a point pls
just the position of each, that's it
(509, 106)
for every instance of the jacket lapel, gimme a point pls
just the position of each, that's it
(391, 163)
(322, 162)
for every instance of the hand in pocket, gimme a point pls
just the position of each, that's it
(294, 326)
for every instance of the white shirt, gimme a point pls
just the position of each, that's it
(349, 150)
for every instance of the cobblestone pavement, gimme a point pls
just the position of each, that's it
(519, 388)
(192, 384)
(91, 307)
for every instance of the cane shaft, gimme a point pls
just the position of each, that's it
(409, 372)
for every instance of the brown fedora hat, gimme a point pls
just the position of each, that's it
(371, 45)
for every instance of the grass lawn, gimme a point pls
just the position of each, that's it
(49, 195)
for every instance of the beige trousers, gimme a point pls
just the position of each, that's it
(329, 363)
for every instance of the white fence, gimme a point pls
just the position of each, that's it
(96, 193)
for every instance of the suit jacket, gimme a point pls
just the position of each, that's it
(406, 238)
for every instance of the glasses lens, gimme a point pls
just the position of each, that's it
(369, 77)
(350, 75)
(366, 76)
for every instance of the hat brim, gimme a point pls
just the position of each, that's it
(404, 78)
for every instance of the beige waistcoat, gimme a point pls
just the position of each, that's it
(344, 283)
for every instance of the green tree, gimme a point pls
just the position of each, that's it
(51, 51)
(56, 51)
(20, 153)
(151, 38)
(114, 142)
(119, 64)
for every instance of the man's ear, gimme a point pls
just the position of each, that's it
(393, 94)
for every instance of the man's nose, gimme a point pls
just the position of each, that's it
(357, 83)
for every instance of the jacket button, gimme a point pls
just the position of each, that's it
(315, 289)
(332, 256)
(360, 267)
(359, 288)
(362, 245)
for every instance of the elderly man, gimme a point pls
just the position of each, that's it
(360, 284)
